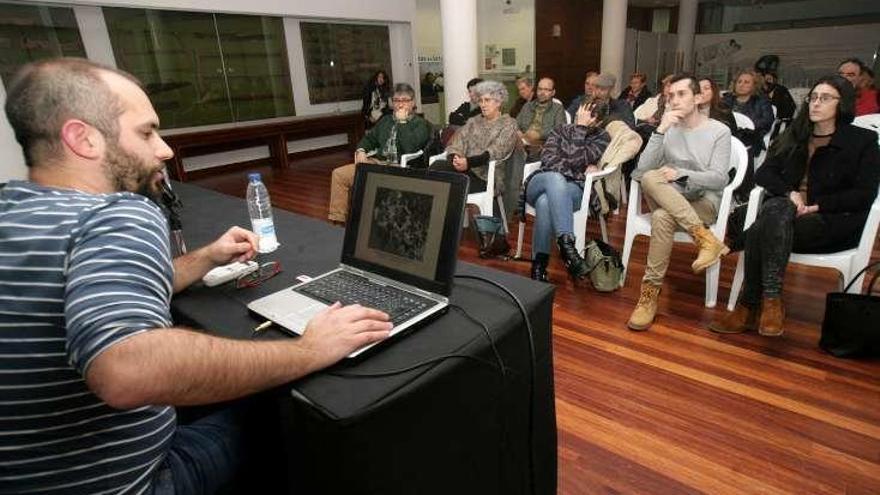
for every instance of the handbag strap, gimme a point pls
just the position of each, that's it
(863, 270)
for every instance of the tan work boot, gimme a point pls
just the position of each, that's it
(772, 316)
(742, 319)
(711, 249)
(646, 308)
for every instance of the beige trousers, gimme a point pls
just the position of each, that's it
(670, 211)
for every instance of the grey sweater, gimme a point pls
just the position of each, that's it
(702, 154)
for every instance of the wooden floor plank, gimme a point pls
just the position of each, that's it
(677, 409)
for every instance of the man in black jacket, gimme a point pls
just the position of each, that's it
(467, 109)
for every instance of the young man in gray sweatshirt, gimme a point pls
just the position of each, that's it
(682, 171)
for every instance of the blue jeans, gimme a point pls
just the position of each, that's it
(555, 200)
(203, 457)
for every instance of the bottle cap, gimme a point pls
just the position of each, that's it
(254, 177)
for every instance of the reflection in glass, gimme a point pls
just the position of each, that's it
(202, 68)
(29, 33)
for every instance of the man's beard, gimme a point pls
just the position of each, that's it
(128, 172)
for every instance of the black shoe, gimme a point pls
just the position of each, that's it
(574, 263)
(539, 267)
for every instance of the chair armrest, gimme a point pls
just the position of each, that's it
(588, 183)
(441, 156)
(529, 168)
(406, 157)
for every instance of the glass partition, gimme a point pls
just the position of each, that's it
(202, 68)
(32, 32)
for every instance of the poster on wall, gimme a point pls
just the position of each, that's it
(430, 75)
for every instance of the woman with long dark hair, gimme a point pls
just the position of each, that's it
(713, 106)
(821, 177)
(375, 98)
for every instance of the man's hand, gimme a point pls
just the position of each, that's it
(460, 163)
(337, 331)
(360, 156)
(590, 169)
(585, 115)
(237, 244)
(670, 118)
(668, 173)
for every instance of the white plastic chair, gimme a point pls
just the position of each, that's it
(483, 199)
(567, 115)
(405, 158)
(580, 216)
(847, 262)
(743, 121)
(760, 158)
(639, 223)
(870, 121)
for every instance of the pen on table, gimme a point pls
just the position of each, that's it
(262, 326)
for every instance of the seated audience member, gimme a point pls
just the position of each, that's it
(682, 171)
(556, 188)
(617, 109)
(486, 137)
(374, 104)
(746, 98)
(578, 101)
(394, 136)
(525, 86)
(821, 177)
(712, 105)
(866, 97)
(651, 111)
(540, 116)
(637, 92)
(779, 96)
(429, 88)
(467, 109)
(92, 364)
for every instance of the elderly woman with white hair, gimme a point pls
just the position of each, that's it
(489, 136)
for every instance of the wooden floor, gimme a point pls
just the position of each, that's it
(679, 409)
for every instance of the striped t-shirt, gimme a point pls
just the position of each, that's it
(78, 273)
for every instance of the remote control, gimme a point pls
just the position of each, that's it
(232, 271)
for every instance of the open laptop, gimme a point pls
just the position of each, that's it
(399, 254)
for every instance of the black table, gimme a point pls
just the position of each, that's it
(450, 427)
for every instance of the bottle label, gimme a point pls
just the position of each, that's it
(265, 228)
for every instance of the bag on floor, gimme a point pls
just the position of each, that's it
(491, 238)
(606, 268)
(851, 327)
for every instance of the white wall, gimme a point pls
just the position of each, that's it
(513, 29)
(805, 54)
(794, 10)
(399, 15)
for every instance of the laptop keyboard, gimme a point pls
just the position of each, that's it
(349, 288)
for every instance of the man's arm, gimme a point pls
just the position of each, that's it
(237, 244)
(182, 367)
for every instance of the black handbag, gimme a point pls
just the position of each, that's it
(851, 327)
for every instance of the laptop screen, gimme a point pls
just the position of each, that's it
(405, 224)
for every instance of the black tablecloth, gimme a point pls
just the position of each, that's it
(453, 426)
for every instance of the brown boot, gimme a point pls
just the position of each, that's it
(772, 315)
(711, 249)
(646, 308)
(742, 319)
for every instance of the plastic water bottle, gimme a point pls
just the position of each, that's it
(260, 209)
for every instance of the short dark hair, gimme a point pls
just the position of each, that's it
(473, 82)
(853, 60)
(406, 89)
(640, 76)
(527, 80)
(694, 82)
(43, 95)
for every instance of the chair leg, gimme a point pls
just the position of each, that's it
(627, 250)
(712, 276)
(737, 282)
(603, 228)
(519, 239)
(500, 200)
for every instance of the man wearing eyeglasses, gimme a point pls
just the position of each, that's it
(393, 136)
(92, 365)
(867, 98)
(539, 117)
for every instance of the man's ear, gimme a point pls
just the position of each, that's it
(82, 139)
